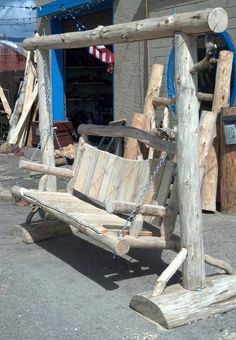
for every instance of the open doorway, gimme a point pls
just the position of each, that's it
(89, 89)
(88, 80)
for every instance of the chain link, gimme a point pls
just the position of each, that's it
(47, 80)
(50, 130)
(143, 193)
(45, 55)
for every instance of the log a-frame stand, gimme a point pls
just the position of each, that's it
(197, 296)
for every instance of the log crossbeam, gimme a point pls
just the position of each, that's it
(201, 21)
(161, 101)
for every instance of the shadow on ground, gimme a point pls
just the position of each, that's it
(101, 265)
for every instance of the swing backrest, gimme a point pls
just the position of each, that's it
(103, 176)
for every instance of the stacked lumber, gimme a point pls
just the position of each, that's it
(26, 108)
(5, 103)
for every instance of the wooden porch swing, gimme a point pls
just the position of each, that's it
(103, 188)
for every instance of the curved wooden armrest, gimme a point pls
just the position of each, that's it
(124, 207)
(127, 131)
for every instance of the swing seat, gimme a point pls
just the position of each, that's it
(100, 181)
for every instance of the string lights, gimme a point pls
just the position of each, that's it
(64, 14)
(74, 3)
(17, 23)
(22, 7)
(51, 5)
(18, 19)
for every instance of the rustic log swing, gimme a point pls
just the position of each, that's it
(197, 297)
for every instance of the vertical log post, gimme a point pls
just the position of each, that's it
(227, 167)
(188, 162)
(153, 90)
(221, 99)
(47, 182)
(133, 147)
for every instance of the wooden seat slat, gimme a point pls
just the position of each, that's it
(81, 212)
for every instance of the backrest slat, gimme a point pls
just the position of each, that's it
(164, 189)
(99, 173)
(107, 178)
(103, 176)
(84, 165)
(115, 179)
(131, 172)
(91, 170)
(151, 195)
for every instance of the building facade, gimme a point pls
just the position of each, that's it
(125, 90)
(12, 67)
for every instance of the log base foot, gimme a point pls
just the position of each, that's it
(178, 306)
(40, 230)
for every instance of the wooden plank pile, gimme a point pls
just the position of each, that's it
(26, 107)
(5, 103)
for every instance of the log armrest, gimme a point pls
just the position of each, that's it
(44, 169)
(124, 207)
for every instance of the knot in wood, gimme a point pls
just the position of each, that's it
(101, 33)
(198, 16)
(124, 36)
(187, 181)
(139, 26)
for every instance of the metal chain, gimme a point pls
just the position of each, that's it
(47, 80)
(143, 193)
(45, 55)
(45, 135)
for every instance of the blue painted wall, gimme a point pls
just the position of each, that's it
(57, 63)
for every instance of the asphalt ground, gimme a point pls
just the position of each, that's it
(68, 288)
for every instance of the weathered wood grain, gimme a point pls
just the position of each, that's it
(126, 131)
(221, 99)
(44, 169)
(169, 272)
(124, 207)
(45, 120)
(132, 146)
(190, 210)
(178, 306)
(200, 21)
